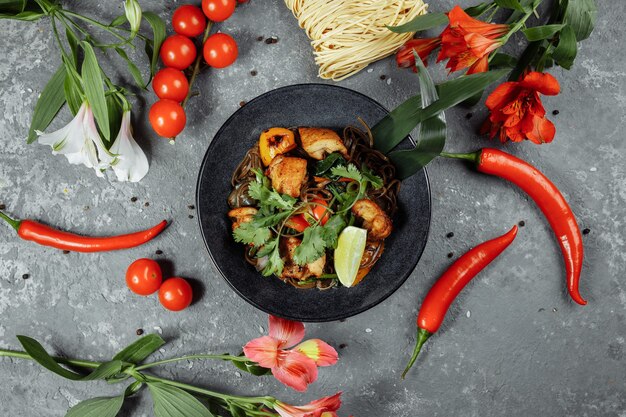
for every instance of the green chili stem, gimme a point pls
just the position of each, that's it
(422, 337)
(196, 66)
(14, 223)
(473, 157)
(191, 357)
(73, 362)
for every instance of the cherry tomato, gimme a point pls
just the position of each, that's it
(189, 21)
(178, 52)
(167, 118)
(320, 210)
(175, 294)
(170, 83)
(220, 50)
(218, 10)
(144, 276)
(298, 223)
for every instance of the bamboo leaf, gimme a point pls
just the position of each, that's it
(139, 350)
(432, 132)
(170, 401)
(566, 50)
(94, 89)
(48, 105)
(158, 36)
(393, 128)
(97, 407)
(538, 33)
(581, 16)
(420, 23)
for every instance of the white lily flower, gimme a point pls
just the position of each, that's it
(132, 9)
(72, 141)
(105, 157)
(130, 163)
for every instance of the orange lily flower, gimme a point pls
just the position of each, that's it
(517, 112)
(467, 42)
(423, 47)
(313, 409)
(296, 367)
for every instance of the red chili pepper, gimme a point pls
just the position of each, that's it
(47, 236)
(548, 198)
(450, 284)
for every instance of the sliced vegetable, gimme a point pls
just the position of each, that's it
(350, 248)
(275, 141)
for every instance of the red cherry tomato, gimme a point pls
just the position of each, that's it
(170, 83)
(144, 276)
(167, 118)
(320, 210)
(178, 52)
(218, 10)
(220, 50)
(189, 21)
(298, 223)
(175, 294)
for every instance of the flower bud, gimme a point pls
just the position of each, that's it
(133, 14)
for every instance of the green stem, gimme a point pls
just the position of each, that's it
(422, 337)
(93, 22)
(14, 223)
(73, 362)
(196, 66)
(191, 357)
(518, 25)
(225, 397)
(473, 157)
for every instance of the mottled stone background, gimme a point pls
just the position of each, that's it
(514, 343)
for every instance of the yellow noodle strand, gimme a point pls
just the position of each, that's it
(348, 35)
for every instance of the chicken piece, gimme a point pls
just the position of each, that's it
(375, 220)
(291, 269)
(241, 215)
(288, 174)
(318, 143)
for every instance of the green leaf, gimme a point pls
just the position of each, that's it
(501, 60)
(104, 371)
(566, 50)
(158, 36)
(48, 105)
(432, 132)
(251, 233)
(73, 94)
(420, 23)
(20, 10)
(39, 354)
(511, 4)
(393, 128)
(115, 111)
(275, 263)
(236, 411)
(132, 68)
(581, 16)
(312, 247)
(94, 89)
(327, 163)
(538, 33)
(251, 367)
(73, 41)
(170, 401)
(139, 350)
(97, 407)
(118, 21)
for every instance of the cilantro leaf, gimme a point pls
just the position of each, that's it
(250, 233)
(332, 228)
(351, 171)
(370, 177)
(275, 263)
(312, 247)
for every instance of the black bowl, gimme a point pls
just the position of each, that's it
(321, 105)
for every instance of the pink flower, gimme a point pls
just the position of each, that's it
(323, 407)
(296, 367)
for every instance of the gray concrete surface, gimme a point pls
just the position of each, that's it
(514, 344)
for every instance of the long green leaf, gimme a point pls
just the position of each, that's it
(393, 128)
(420, 23)
(251, 367)
(132, 68)
(581, 16)
(48, 105)
(158, 36)
(94, 89)
(170, 401)
(97, 407)
(73, 94)
(566, 50)
(104, 371)
(511, 4)
(139, 350)
(432, 132)
(538, 33)
(39, 355)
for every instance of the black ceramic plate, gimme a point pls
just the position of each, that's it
(320, 105)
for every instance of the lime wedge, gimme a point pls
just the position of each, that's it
(350, 248)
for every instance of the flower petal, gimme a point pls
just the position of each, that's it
(262, 350)
(287, 332)
(130, 163)
(325, 404)
(321, 352)
(542, 82)
(91, 132)
(538, 129)
(502, 95)
(295, 370)
(68, 139)
(482, 65)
